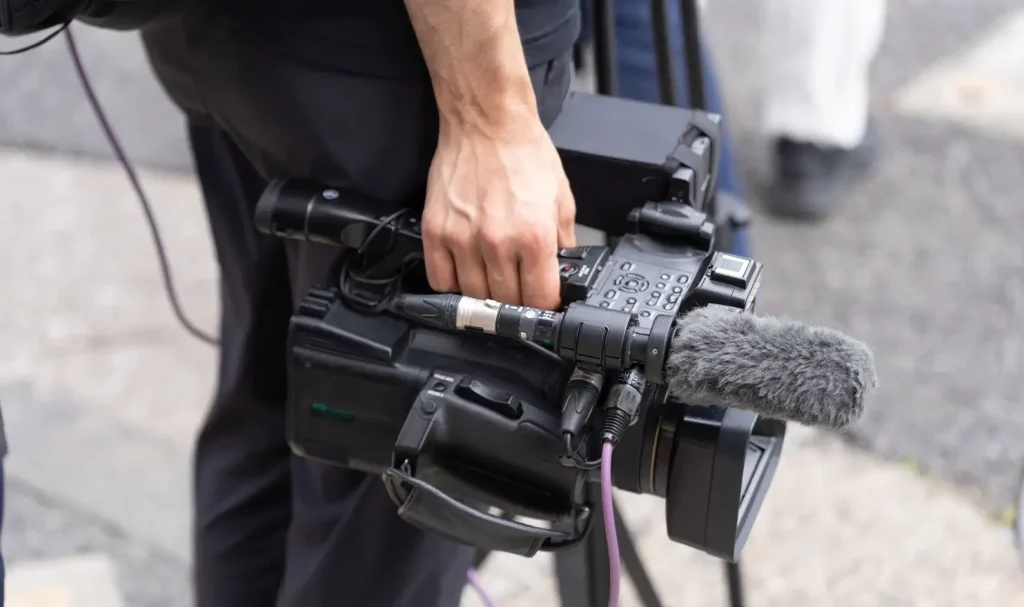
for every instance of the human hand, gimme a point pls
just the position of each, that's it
(497, 210)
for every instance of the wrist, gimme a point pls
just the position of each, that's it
(499, 106)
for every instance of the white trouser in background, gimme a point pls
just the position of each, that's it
(817, 57)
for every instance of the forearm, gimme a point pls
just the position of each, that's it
(476, 64)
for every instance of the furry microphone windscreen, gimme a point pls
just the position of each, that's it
(777, 368)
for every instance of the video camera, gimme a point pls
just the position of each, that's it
(466, 407)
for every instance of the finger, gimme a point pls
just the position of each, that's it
(469, 266)
(538, 269)
(566, 234)
(566, 219)
(438, 260)
(502, 265)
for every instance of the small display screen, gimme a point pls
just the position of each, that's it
(732, 265)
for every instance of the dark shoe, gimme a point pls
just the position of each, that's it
(811, 180)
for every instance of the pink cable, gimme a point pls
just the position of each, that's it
(474, 581)
(608, 508)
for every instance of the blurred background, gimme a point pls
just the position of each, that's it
(102, 391)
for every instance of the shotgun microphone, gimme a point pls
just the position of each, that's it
(776, 368)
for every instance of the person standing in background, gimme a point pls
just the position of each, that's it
(817, 55)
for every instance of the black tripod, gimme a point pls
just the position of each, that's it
(583, 572)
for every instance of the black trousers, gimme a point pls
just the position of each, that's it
(273, 529)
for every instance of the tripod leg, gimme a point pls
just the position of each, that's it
(479, 557)
(735, 581)
(583, 572)
(634, 566)
(604, 47)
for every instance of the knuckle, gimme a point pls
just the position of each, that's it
(494, 237)
(456, 240)
(567, 213)
(534, 235)
(432, 230)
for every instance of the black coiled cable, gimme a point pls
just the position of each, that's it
(357, 276)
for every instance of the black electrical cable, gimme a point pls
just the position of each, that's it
(115, 145)
(38, 43)
(692, 50)
(663, 52)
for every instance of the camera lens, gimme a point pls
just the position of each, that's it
(711, 465)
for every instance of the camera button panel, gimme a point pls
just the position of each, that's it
(647, 291)
(631, 283)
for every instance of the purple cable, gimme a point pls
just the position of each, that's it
(608, 508)
(474, 581)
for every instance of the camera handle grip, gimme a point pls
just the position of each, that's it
(430, 509)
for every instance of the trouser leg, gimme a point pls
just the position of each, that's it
(817, 55)
(242, 462)
(273, 528)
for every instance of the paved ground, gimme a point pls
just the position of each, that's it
(102, 391)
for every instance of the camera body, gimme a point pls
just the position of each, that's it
(461, 423)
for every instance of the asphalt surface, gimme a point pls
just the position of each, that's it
(925, 264)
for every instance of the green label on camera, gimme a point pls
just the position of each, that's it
(324, 411)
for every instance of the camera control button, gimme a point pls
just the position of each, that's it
(666, 277)
(677, 289)
(631, 300)
(669, 307)
(683, 279)
(569, 269)
(573, 253)
(627, 308)
(610, 294)
(645, 314)
(626, 266)
(605, 304)
(500, 402)
(660, 285)
(673, 299)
